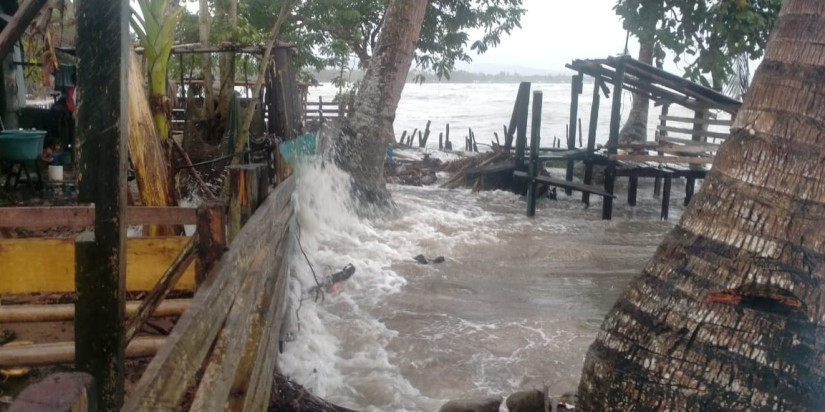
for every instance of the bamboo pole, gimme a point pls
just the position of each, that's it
(64, 352)
(64, 312)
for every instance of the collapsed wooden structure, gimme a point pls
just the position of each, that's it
(680, 149)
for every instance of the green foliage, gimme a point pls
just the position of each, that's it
(704, 34)
(337, 29)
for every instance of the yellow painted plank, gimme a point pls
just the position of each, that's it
(47, 265)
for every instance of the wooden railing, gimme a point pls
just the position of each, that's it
(683, 140)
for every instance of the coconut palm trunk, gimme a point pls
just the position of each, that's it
(635, 128)
(379, 94)
(730, 312)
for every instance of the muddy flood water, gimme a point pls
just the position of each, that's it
(514, 305)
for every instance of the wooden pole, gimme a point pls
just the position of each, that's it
(161, 289)
(591, 139)
(65, 352)
(18, 25)
(441, 141)
(632, 189)
(580, 132)
(102, 124)
(690, 186)
(194, 173)
(535, 141)
(61, 312)
(211, 242)
(523, 94)
(613, 142)
(521, 125)
(666, 197)
(576, 90)
(423, 142)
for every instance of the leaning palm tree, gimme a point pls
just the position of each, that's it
(730, 312)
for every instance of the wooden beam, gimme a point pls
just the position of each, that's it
(62, 312)
(176, 364)
(82, 216)
(613, 141)
(591, 138)
(23, 268)
(662, 159)
(709, 121)
(535, 141)
(575, 91)
(211, 231)
(103, 49)
(704, 133)
(18, 24)
(64, 352)
(521, 124)
(197, 48)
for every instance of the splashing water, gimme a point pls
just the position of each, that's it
(514, 306)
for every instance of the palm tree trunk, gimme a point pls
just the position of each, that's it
(730, 312)
(378, 97)
(227, 60)
(206, 59)
(635, 128)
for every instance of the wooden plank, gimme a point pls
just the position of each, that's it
(41, 217)
(259, 381)
(80, 216)
(707, 121)
(563, 183)
(23, 268)
(176, 364)
(687, 142)
(704, 133)
(64, 352)
(521, 125)
(662, 159)
(669, 147)
(146, 215)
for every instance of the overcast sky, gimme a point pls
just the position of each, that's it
(554, 32)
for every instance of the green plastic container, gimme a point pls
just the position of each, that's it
(21, 145)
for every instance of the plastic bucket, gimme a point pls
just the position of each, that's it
(21, 145)
(56, 173)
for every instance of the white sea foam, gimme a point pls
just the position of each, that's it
(514, 306)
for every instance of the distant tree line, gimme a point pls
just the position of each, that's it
(456, 76)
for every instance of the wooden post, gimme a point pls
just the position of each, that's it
(690, 186)
(535, 141)
(448, 145)
(666, 197)
(580, 132)
(591, 139)
(246, 195)
(403, 136)
(521, 124)
(423, 142)
(441, 141)
(632, 188)
(211, 230)
(523, 94)
(575, 91)
(613, 142)
(102, 124)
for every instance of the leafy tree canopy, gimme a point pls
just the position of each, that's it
(704, 34)
(330, 31)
